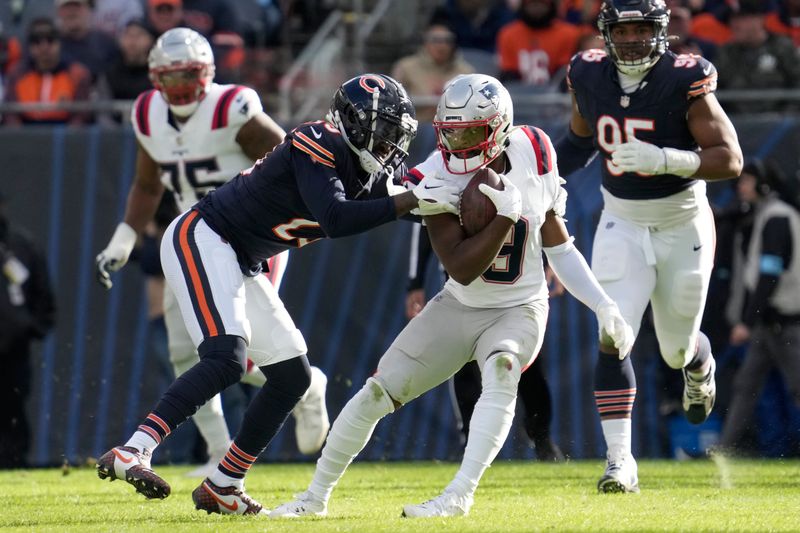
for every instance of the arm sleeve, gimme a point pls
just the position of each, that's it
(776, 253)
(323, 193)
(574, 152)
(571, 268)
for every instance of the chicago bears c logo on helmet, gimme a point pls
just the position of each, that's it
(380, 84)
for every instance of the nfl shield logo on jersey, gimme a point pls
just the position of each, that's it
(624, 100)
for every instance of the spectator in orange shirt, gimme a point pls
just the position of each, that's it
(786, 20)
(713, 25)
(536, 45)
(47, 77)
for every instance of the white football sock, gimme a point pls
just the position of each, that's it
(349, 434)
(222, 480)
(491, 421)
(617, 433)
(142, 442)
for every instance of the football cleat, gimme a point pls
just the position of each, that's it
(210, 498)
(128, 463)
(620, 475)
(311, 415)
(699, 395)
(446, 504)
(304, 504)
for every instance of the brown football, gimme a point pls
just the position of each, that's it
(477, 210)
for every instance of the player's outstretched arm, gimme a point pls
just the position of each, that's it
(571, 268)
(143, 199)
(720, 155)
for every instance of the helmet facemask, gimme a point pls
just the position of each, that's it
(183, 86)
(473, 122)
(468, 146)
(181, 68)
(380, 128)
(635, 56)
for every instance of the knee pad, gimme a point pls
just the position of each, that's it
(501, 371)
(228, 351)
(688, 293)
(676, 350)
(374, 400)
(292, 377)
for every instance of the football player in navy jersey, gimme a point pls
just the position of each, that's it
(326, 179)
(661, 133)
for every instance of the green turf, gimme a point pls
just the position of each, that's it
(514, 496)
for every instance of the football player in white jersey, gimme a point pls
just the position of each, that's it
(494, 307)
(193, 136)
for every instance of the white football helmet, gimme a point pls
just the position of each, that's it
(473, 121)
(182, 68)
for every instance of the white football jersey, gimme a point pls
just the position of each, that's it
(201, 153)
(517, 275)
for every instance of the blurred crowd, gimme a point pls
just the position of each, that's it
(83, 50)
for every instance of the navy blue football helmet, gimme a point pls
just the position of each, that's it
(634, 57)
(377, 120)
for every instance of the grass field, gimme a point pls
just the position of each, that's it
(514, 496)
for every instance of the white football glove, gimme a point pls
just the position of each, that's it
(436, 196)
(115, 254)
(613, 325)
(508, 201)
(638, 156)
(649, 159)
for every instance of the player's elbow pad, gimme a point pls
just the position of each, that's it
(571, 268)
(573, 152)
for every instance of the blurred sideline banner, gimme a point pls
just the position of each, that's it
(95, 376)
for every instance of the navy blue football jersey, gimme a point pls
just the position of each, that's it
(298, 193)
(655, 113)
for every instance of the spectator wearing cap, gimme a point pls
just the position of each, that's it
(80, 41)
(47, 77)
(756, 59)
(128, 77)
(786, 20)
(426, 72)
(112, 16)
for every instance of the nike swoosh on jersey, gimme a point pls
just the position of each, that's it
(230, 506)
(316, 135)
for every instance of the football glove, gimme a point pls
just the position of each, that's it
(650, 160)
(115, 254)
(508, 201)
(435, 196)
(613, 325)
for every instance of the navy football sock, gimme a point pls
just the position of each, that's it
(220, 366)
(287, 381)
(614, 386)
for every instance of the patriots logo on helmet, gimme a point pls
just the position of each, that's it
(491, 93)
